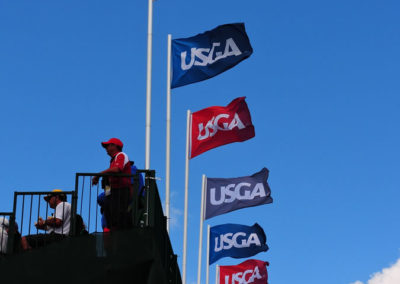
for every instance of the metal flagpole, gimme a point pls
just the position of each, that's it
(168, 135)
(148, 83)
(188, 134)
(208, 255)
(203, 185)
(216, 274)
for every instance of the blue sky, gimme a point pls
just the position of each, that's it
(322, 87)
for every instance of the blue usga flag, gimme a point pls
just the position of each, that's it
(224, 195)
(208, 54)
(236, 241)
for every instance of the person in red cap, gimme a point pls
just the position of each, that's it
(117, 189)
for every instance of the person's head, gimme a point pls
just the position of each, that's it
(113, 146)
(55, 197)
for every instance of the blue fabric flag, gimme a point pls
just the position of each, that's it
(208, 54)
(236, 241)
(224, 195)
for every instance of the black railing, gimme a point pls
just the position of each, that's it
(145, 210)
(88, 194)
(27, 208)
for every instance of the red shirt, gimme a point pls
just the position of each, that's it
(121, 161)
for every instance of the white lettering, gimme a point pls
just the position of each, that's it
(183, 59)
(204, 56)
(256, 274)
(258, 191)
(213, 199)
(237, 240)
(232, 192)
(213, 126)
(246, 195)
(242, 277)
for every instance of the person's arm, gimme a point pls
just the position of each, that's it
(51, 222)
(117, 168)
(95, 179)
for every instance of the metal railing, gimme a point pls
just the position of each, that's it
(146, 210)
(88, 195)
(27, 208)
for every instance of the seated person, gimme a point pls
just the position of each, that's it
(56, 227)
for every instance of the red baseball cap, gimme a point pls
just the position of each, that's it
(114, 141)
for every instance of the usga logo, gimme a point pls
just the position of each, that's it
(237, 240)
(241, 191)
(204, 56)
(245, 277)
(213, 125)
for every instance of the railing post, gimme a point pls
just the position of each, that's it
(74, 205)
(11, 231)
(151, 198)
(135, 201)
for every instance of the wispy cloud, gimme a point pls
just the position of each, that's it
(175, 215)
(390, 275)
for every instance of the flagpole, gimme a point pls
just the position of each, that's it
(216, 274)
(208, 255)
(203, 184)
(148, 82)
(168, 135)
(188, 130)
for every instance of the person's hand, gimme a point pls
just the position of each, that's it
(40, 223)
(95, 180)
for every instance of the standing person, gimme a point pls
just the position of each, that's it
(56, 226)
(4, 233)
(118, 192)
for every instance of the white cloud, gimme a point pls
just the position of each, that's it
(174, 217)
(390, 275)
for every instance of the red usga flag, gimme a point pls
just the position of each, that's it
(248, 272)
(216, 126)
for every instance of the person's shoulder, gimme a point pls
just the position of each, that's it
(122, 156)
(64, 204)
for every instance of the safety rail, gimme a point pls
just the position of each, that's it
(87, 194)
(145, 247)
(27, 209)
(147, 212)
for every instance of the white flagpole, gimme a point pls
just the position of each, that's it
(203, 185)
(216, 274)
(148, 84)
(208, 255)
(168, 135)
(188, 134)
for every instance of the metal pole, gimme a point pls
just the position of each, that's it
(208, 255)
(203, 183)
(186, 197)
(216, 274)
(168, 135)
(148, 86)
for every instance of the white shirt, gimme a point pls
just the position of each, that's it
(63, 212)
(3, 240)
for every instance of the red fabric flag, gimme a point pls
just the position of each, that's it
(248, 272)
(216, 126)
